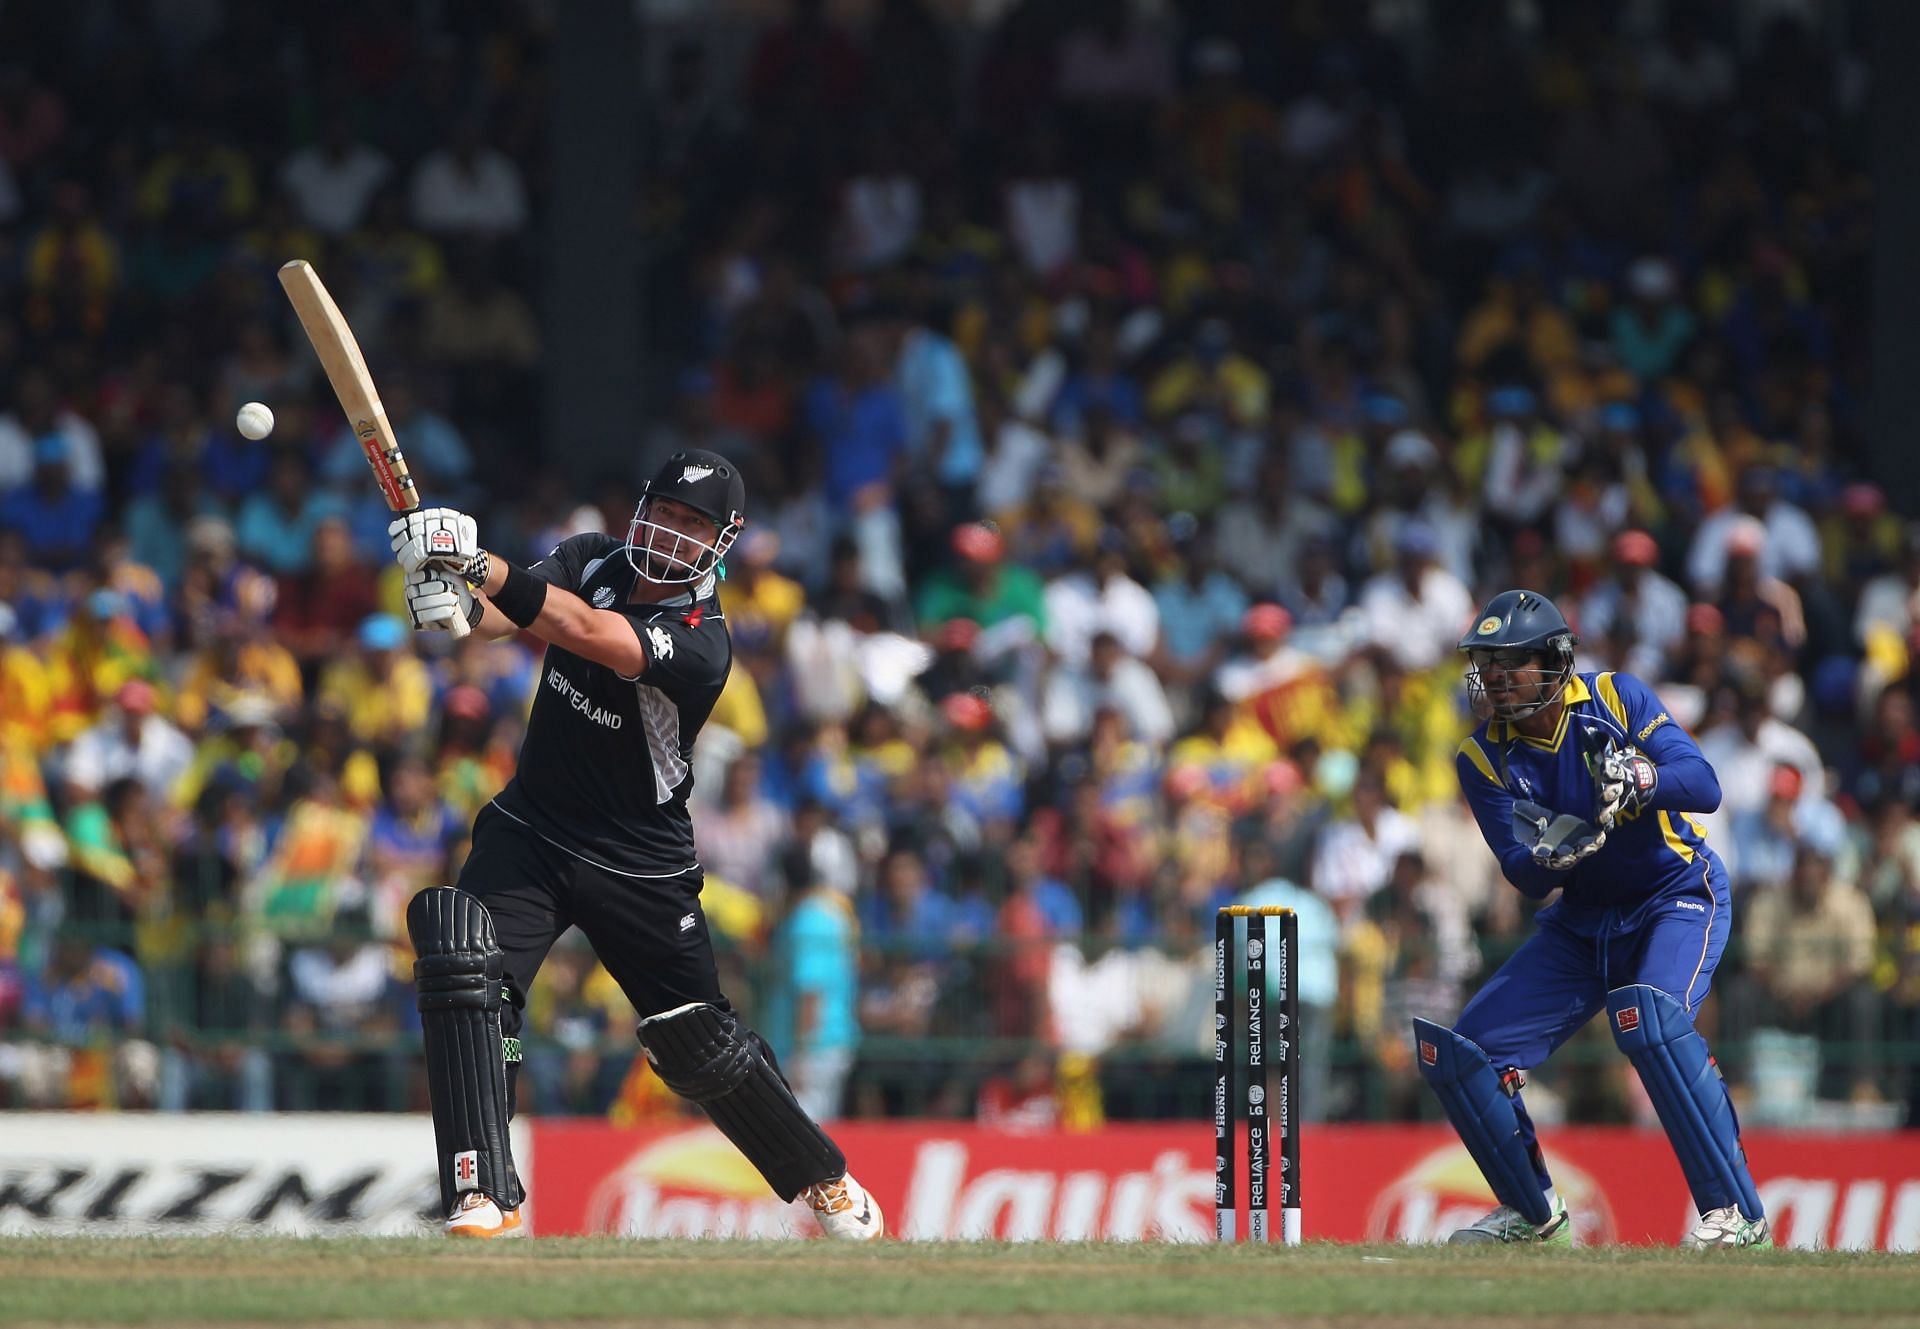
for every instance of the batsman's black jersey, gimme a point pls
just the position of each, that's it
(606, 765)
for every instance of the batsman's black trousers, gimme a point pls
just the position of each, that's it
(649, 932)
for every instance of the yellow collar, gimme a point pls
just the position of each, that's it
(1576, 691)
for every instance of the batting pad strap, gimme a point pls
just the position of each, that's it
(459, 978)
(1481, 1110)
(703, 1054)
(1656, 1032)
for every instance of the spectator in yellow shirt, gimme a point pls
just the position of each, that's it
(1212, 373)
(384, 691)
(26, 697)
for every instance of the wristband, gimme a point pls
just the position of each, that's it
(520, 596)
(477, 569)
(476, 610)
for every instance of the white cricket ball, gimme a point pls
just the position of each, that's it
(254, 420)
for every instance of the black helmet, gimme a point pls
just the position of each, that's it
(1514, 626)
(710, 485)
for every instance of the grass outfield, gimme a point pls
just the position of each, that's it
(670, 1284)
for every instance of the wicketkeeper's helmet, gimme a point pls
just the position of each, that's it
(1506, 646)
(710, 485)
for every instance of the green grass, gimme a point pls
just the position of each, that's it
(431, 1282)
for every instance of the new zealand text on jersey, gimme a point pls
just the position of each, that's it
(580, 701)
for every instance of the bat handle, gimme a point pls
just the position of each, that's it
(459, 627)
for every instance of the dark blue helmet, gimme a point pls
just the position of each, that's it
(1521, 649)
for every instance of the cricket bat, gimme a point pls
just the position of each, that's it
(346, 369)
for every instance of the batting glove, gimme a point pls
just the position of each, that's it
(1627, 781)
(441, 538)
(435, 600)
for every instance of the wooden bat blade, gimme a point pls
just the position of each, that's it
(346, 368)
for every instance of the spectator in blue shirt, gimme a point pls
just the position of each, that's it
(860, 421)
(85, 994)
(57, 519)
(813, 1002)
(1200, 611)
(276, 527)
(943, 433)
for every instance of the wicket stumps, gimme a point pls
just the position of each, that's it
(1254, 955)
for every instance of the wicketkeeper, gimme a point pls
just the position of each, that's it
(593, 830)
(1585, 783)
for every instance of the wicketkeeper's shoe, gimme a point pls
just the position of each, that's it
(476, 1215)
(1508, 1225)
(845, 1210)
(1727, 1227)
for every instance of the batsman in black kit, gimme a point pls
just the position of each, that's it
(593, 830)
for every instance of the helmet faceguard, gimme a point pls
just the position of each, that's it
(709, 485)
(1512, 683)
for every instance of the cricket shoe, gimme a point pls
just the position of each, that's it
(476, 1215)
(1727, 1227)
(847, 1212)
(1510, 1226)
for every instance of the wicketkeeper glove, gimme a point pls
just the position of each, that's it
(444, 539)
(1627, 779)
(435, 600)
(1556, 840)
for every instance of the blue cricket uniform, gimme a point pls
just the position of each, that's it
(1652, 906)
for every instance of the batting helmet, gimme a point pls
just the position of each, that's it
(1510, 638)
(710, 485)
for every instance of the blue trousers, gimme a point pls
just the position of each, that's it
(1560, 977)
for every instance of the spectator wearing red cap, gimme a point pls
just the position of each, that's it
(988, 779)
(979, 584)
(1766, 838)
(132, 740)
(1633, 615)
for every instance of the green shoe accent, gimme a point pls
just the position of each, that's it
(1726, 1228)
(1508, 1226)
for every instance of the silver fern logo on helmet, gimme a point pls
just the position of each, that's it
(692, 473)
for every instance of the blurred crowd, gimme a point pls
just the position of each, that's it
(1136, 402)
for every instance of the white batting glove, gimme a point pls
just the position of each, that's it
(435, 600)
(441, 538)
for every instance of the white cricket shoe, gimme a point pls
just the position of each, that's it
(476, 1215)
(1509, 1225)
(1727, 1227)
(845, 1210)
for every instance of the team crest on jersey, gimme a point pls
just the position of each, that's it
(603, 597)
(690, 474)
(661, 643)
